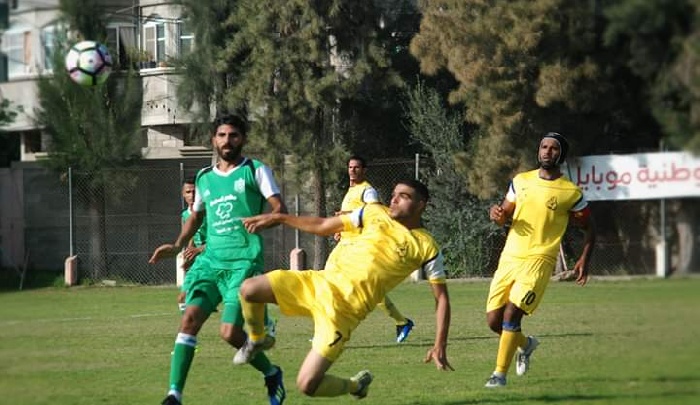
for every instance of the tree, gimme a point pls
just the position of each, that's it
(457, 219)
(92, 130)
(525, 68)
(297, 65)
(658, 41)
(205, 75)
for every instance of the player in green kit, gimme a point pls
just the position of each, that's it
(234, 188)
(195, 246)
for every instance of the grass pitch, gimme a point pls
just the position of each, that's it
(624, 342)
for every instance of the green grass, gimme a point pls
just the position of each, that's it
(626, 342)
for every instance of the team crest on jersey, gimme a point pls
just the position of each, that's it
(239, 186)
(552, 203)
(401, 250)
(223, 211)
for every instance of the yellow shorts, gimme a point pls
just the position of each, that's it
(307, 293)
(521, 282)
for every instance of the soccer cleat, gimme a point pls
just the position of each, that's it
(522, 357)
(275, 388)
(250, 349)
(402, 331)
(495, 381)
(171, 400)
(364, 379)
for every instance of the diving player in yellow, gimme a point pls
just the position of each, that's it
(360, 193)
(540, 203)
(357, 275)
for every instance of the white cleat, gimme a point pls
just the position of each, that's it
(250, 349)
(522, 357)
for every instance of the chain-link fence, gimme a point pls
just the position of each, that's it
(114, 222)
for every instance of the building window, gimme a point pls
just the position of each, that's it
(154, 41)
(16, 44)
(186, 33)
(32, 141)
(48, 43)
(121, 42)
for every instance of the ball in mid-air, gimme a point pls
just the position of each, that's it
(88, 63)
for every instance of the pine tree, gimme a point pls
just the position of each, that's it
(205, 75)
(296, 66)
(526, 68)
(92, 130)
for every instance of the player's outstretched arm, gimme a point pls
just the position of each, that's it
(316, 225)
(438, 353)
(189, 228)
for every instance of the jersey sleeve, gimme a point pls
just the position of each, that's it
(353, 220)
(370, 195)
(510, 194)
(266, 181)
(580, 204)
(198, 204)
(434, 269)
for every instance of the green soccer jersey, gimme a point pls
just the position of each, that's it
(226, 198)
(199, 238)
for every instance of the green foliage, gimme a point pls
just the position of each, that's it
(87, 17)
(528, 67)
(91, 129)
(205, 76)
(8, 112)
(297, 66)
(456, 217)
(658, 41)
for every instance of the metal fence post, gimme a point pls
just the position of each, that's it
(71, 242)
(417, 165)
(417, 275)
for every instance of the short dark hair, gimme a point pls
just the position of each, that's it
(359, 158)
(421, 189)
(190, 180)
(232, 120)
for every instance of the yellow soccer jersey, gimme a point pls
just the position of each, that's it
(357, 196)
(542, 209)
(363, 269)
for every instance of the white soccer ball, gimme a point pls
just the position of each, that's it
(88, 63)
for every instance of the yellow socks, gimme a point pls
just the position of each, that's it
(390, 309)
(508, 344)
(332, 386)
(254, 316)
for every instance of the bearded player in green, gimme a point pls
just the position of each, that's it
(234, 188)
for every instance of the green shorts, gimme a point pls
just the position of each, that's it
(208, 286)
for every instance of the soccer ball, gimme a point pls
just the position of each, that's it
(88, 63)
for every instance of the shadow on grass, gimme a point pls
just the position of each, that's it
(11, 279)
(426, 342)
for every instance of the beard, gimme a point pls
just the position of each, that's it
(230, 155)
(547, 165)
